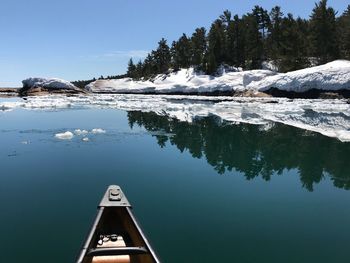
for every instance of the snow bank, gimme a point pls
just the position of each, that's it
(49, 83)
(330, 77)
(182, 81)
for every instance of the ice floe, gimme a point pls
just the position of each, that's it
(64, 135)
(80, 132)
(68, 135)
(97, 131)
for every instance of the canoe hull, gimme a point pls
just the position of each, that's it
(115, 236)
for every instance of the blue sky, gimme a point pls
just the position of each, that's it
(81, 39)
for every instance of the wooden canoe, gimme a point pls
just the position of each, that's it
(115, 236)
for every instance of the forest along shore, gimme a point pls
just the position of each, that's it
(328, 81)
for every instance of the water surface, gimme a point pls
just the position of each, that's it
(203, 192)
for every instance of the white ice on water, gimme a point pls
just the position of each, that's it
(64, 135)
(80, 132)
(328, 117)
(97, 131)
(68, 135)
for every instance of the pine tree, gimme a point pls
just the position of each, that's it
(231, 43)
(162, 57)
(253, 38)
(343, 25)
(216, 46)
(254, 44)
(149, 66)
(262, 18)
(131, 69)
(323, 34)
(199, 47)
(181, 53)
(293, 54)
(240, 41)
(275, 33)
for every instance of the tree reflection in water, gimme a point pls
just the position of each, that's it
(253, 150)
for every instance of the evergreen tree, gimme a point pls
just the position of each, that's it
(253, 38)
(323, 33)
(254, 45)
(240, 41)
(231, 43)
(293, 54)
(138, 70)
(149, 66)
(216, 46)
(275, 33)
(162, 57)
(131, 69)
(343, 25)
(262, 18)
(199, 47)
(181, 53)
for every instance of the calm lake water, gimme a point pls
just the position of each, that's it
(203, 192)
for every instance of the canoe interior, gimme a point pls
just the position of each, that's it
(119, 220)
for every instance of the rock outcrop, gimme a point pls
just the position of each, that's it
(41, 86)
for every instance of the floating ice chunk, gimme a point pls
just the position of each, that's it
(65, 135)
(80, 132)
(85, 139)
(97, 130)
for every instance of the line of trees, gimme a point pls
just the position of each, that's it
(246, 41)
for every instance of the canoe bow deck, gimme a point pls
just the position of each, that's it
(115, 236)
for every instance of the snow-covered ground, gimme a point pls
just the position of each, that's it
(328, 117)
(182, 81)
(332, 76)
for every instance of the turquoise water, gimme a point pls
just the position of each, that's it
(203, 192)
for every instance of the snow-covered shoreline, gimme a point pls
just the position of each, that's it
(333, 76)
